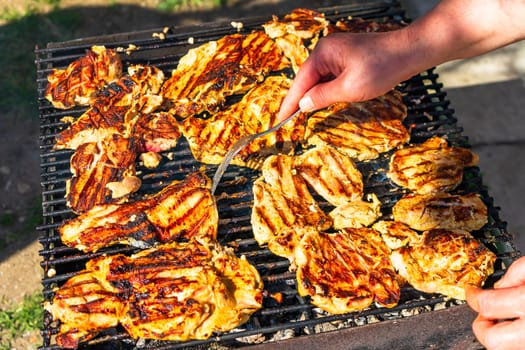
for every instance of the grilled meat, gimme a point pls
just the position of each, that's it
(233, 64)
(180, 211)
(439, 260)
(115, 108)
(346, 271)
(97, 168)
(210, 139)
(181, 291)
(356, 214)
(331, 174)
(83, 308)
(430, 167)
(441, 210)
(296, 33)
(361, 130)
(157, 132)
(76, 84)
(360, 25)
(282, 201)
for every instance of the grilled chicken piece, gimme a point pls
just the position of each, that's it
(210, 139)
(439, 260)
(77, 84)
(296, 33)
(157, 132)
(231, 65)
(282, 201)
(332, 174)
(441, 210)
(182, 291)
(346, 271)
(430, 167)
(361, 130)
(180, 211)
(102, 172)
(357, 213)
(360, 25)
(115, 108)
(83, 308)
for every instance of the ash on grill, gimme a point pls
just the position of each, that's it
(285, 314)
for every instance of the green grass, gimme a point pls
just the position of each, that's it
(169, 5)
(14, 322)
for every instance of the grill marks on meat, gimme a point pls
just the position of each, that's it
(210, 139)
(176, 291)
(331, 174)
(362, 130)
(206, 75)
(80, 80)
(282, 201)
(441, 210)
(297, 33)
(439, 260)
(158, 131)
(430, 167)
(180, 211)
(115, 108)
(84, 309)
(346, 271)
(102, 172)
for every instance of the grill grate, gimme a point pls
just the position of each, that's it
(429, 114)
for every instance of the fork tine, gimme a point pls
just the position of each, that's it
(238, 146)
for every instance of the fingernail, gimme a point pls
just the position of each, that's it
(306, 104)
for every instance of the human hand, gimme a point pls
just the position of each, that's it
(501, 311)
(349, 67)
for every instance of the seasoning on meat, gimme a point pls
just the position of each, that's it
(357, 213)
(181, 210)
(210, 139)
(439, 260)
(206, 75)
(81, 79)
(346, 271)
(441, 210)
(362, 130)
(430, 167)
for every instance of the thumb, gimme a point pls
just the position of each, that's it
(324, 94)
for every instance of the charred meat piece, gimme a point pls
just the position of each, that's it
(332, 174)
(441, 210)
(115, 108)
(360, 25)
(77, 84)
(439, 260)
(157, 132)
(102, 172)
(180, 211)
(362, 130)
(296, 33)
(83, 308)
(346, 271)
(210, 139)
(231, 65)
(430, 167)
(282, 201)
(182, 291)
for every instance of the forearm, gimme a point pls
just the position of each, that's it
(458, 29)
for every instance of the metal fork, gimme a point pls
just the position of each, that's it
(240, 144)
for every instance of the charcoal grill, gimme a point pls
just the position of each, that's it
(293, 322)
